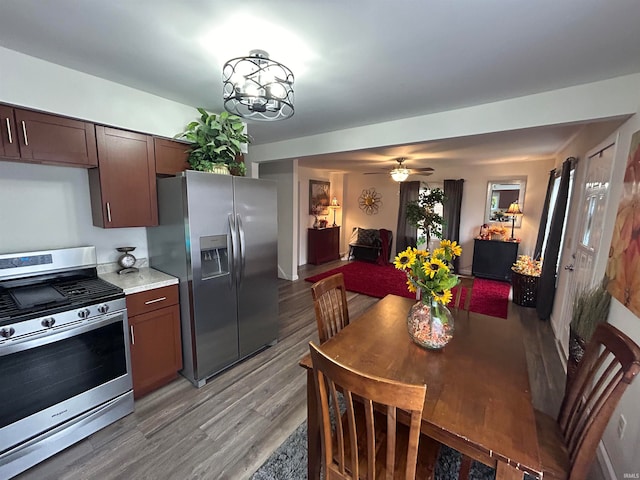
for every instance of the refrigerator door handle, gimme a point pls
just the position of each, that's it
(232, 228)
(241, 248)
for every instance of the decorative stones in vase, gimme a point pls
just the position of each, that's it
(430, 324)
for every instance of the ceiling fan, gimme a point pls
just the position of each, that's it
(400, 172)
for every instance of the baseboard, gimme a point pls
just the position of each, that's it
(284, 275)
(606, 471)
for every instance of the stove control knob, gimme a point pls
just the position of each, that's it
(103, 308)
(48, 322)
(7, 332)
(84, 313)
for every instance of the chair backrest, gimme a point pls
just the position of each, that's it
(610, 363)
(340, 451)
(466, 284)
(330, 302)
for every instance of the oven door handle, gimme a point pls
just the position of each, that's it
(67, 331)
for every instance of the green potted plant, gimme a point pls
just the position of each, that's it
(590, 308)
(217, 141)
(422, 215)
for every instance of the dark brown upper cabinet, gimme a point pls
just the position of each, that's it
(8, 140)
(123, 188)
(171, 156)
(42, 138)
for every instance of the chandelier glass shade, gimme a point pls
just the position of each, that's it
(400, 174)
(258, 88)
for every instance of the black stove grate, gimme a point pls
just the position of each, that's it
(77, 292)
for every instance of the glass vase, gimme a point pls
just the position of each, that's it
(430, 324)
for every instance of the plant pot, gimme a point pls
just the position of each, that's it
(220, 170)
(577, 346)
(525, 289)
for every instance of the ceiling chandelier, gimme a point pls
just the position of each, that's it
(400, 173)
(257, 88)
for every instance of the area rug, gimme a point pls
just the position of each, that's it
(489, 296)
(289, 462)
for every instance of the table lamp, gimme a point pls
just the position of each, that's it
(334, 205)
(513, 211)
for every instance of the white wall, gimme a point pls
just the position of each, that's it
(305, 219)
(473, 201)
(623, 454)
(387, 216)
(618, 456)
(581, 103)
(285, 175)
(43, 207)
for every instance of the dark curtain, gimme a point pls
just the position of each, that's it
(547, 282)
(406, 236)
(451, 209)
(542, 229)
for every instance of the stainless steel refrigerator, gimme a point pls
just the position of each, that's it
(218, 235)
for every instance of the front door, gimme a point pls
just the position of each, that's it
(581, 250)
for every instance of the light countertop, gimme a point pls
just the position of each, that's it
(144, 279)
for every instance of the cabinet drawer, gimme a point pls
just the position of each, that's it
(151, 300)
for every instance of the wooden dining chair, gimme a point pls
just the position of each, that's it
(330, 302)
(466, 285)
(568, 444)
(368, 443)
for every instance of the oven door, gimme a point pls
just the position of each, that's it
(46, 381)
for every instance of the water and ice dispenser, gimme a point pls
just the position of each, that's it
(214, 256)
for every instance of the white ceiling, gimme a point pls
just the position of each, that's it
(356, 63)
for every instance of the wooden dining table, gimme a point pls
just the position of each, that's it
(478, 396)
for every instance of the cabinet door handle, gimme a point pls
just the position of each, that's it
(133, 338)
(24, 132)
(155, 300)
(9, 130)
(108, 212)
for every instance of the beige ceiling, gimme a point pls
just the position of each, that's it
(356, 63)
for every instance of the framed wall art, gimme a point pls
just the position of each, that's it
(319, 198)
(623, 269)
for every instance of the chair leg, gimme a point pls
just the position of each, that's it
(465, 467)
(432, 451)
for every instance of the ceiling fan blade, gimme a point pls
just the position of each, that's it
(424, 169)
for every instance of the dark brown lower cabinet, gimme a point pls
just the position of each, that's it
(156, 351)
(494, 258)
(323, 245)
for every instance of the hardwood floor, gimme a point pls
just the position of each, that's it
(229, 427)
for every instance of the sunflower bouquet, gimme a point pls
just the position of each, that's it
(431, 273)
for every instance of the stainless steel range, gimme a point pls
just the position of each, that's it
(65, 370)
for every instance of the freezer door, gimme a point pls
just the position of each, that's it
(256, 218)
(210, 221)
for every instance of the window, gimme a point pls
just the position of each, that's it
(552, 206)
(439, 209)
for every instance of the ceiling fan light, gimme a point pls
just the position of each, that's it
(400, 174)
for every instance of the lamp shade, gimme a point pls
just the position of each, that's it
(514, 209)
(334, 203)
